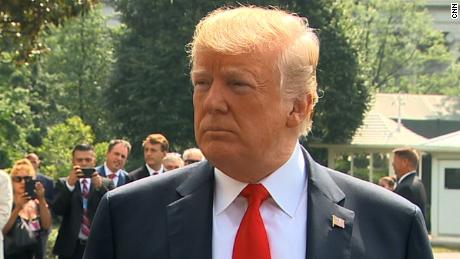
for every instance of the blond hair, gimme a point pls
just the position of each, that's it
(251, 29)
(23, 165)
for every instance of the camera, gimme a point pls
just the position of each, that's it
(88, 172)
(30, 188)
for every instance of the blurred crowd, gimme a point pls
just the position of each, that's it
(30, 201)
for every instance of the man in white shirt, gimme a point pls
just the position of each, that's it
(115, 161)
(259, 194)
(155, 147)
(409, 185)
(76, 200)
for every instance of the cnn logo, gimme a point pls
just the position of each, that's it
(454, 11)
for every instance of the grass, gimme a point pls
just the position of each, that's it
(443, 249)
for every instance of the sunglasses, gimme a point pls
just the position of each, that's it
(19, 179)
(191, 161)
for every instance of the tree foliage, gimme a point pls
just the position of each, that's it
(398, 48)
(21, 21)
(72, 77)
(57, 146)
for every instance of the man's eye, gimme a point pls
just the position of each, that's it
(201, 84)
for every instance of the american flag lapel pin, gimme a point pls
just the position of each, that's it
(338, 222)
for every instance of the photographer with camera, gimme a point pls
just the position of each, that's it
(76, 200)
(30, 215)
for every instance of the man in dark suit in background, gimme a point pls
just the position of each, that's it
(155, 147)
(47, 181)
(260, 195)
(115, 161)
(409, 185)
(76, 200)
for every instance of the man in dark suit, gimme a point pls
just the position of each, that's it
(76, 200)
(260, 195)
(47, 181)
(409, 185)
(116, 157)
(155, 147)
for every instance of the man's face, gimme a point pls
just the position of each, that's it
(153, 155)
(116, 157)
(193, 158)
(84, 159)
(238, 105)
(399, 165)
(35, 161)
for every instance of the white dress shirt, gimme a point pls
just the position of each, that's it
(109, 172)
(284, 213)
(152, 171)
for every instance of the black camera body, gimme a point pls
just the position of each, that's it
(88, 172)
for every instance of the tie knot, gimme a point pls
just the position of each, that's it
(111, 176)
(255, 193)
(84, 181)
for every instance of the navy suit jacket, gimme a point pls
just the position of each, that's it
(122, 177)
(48, 184)
(174, 215)
(412, 189)
(69, 205)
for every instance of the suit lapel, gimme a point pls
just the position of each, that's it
(324, 239)
(190, 217)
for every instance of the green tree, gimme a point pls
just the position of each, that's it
(398, 48)
(56, 150)
(150, 91)
(15, 124)
(70, 79)
(22, 21)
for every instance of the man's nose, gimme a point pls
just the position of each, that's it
(215, 99)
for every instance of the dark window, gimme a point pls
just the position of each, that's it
(452, 178)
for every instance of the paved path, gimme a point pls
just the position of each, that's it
(447, 255)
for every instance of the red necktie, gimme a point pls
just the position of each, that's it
(85, 223)
(251, 240)
(111, 176)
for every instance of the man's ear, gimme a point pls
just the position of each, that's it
(302, 109)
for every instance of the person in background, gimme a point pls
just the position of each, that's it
(6, 201)
(155, 148)
(32, 212)
(387, 182)
(409, 185)
(115, 161)
(172, 161)
(47, 181)
(192, 155)
(76, 200)
(259, 194)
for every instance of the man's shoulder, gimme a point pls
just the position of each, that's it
(160, 186)
(43, 177)
(362, 194)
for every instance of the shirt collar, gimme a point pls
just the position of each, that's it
(405, 176)
(151, 170)
(285, 185)
(109, 172)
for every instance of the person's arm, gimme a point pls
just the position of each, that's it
(19, 202)
(6, 198)
(45, 214)
(63, 192)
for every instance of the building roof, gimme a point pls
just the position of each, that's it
(417, 107)
(446, 142)
(378, 130)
